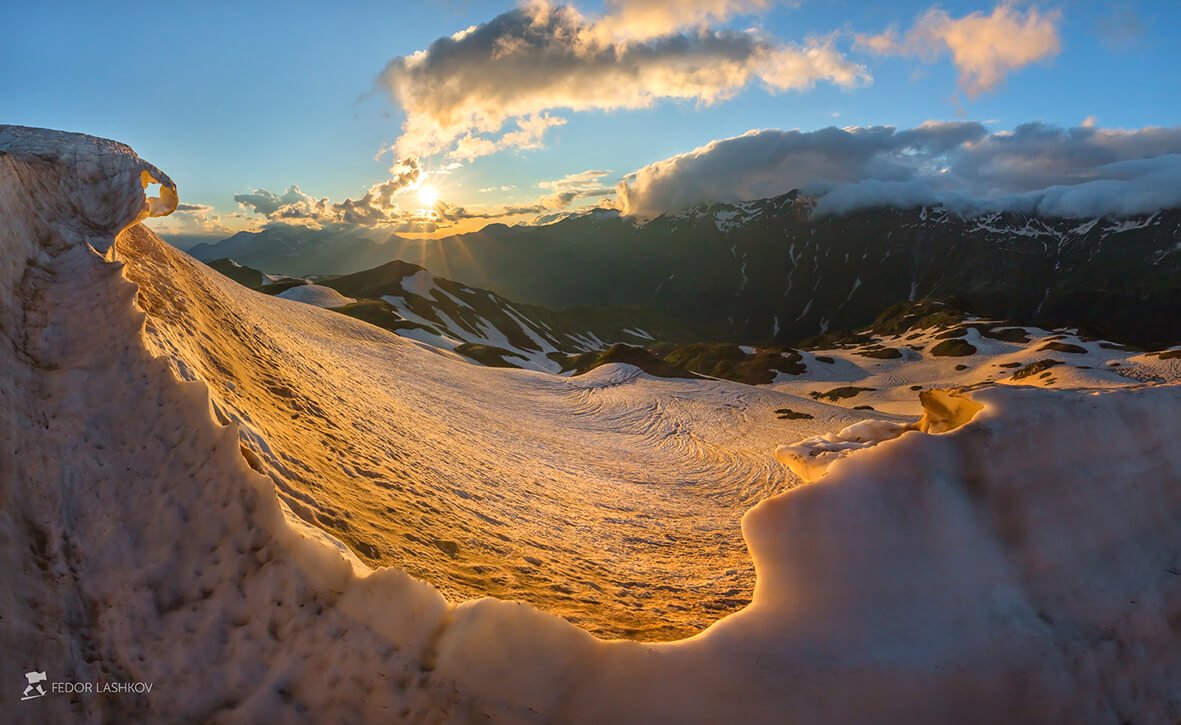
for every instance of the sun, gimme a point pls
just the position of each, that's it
(428, 195)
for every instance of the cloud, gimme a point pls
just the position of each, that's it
(194, 208)
(1120, 189)
(529, 134)
(589, 179)
(376, 208)
(984, 48)
(414, 226)
(769, 162)
(379, 208)
(1125, 188)
(642, 19)
(562, 193)
(568, 189)
(290, 203)
(1037, 155)
(451, 213)
(191, 219)
(461, 93)
(502, 187)
(1082, 171)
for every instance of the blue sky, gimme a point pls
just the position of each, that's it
(230, 97)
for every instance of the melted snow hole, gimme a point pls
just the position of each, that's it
(159, 199)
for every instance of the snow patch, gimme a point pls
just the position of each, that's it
(314, 294)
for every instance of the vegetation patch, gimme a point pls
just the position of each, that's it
(381, 314)
(922, 315)
(282, 285)
(953, 348)
(245, 276)
(825, 359)
(1063, 347)
(836, 340)
(789, 414)
(1004, 334)
(620, 353)
(895, 321)
(1035, 367)
(728, 361)
(1169, 355)
(1116, 346)
(466, 307)
(846, 391)
(881, 353)
(490, 355)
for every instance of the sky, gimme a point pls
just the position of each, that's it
(431, 118)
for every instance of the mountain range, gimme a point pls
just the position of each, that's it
(296, 250)
(772, 271)
(481, 325)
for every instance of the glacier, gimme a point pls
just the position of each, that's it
(1023, 565)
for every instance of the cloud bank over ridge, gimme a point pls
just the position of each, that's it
(1075, 172)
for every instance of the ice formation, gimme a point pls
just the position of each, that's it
(1023, 566)
(943, 411)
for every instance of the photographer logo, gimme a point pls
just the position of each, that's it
(39, 686)
(34, 688)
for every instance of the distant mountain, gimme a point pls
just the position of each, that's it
(770, 272)
(486, 328)
(491, 330)
(243, 275)
(253, 278)
(481, 325)
(300, 251)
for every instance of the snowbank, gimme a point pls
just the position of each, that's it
(315, 294)
(943, 411)
(1023, 566)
